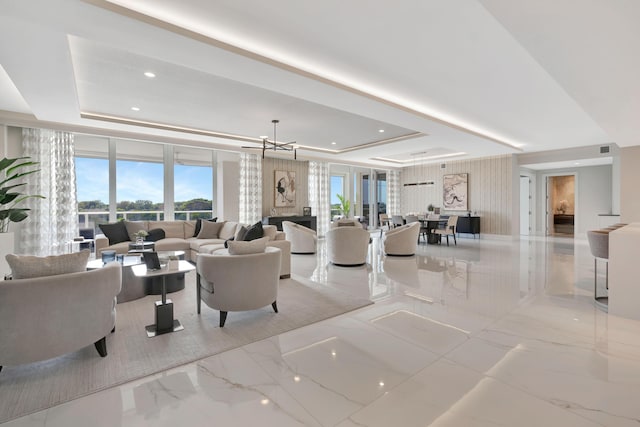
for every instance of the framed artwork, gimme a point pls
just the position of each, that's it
(454, 192)
(306, 211)
(285, 189)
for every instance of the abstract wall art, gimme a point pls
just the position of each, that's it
(454, 192)
(285, 189)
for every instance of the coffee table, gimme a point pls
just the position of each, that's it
(165, 322)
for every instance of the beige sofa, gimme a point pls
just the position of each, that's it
(179, 237)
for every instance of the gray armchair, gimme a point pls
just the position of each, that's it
(46, 317)
(238, 282)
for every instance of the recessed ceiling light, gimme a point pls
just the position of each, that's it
(381, 130)
(149, 74)
(576, 163)
(135, 108)
(333, 143)
(263, 137)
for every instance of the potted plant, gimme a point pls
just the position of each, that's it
(140, 235)
(430, 208)
(11, 171)
(345, 205)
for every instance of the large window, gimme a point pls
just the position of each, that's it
(193, 183)
(337, 187)
(92, 185)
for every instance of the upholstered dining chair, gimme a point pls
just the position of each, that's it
(397, 220)
(450, 229)
(385, 221)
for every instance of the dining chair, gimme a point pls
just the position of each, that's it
(384, 221)
(397, 220)
(450, 229)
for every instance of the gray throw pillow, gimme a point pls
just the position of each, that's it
(210, 230)
(116, 232)
(28, 266)
(254, 232)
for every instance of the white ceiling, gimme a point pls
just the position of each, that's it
(483, 77)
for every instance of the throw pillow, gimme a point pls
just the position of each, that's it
(116, 232)
(199, 225)
(133, 227)
(241, 233)
(245, 248)
(254, 232)
(28, 266)
(155, 235)
(209, 230)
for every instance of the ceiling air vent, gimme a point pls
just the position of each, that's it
(604, 149)
(443, 165)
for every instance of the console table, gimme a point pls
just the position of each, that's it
(307, 221)
(468, 224)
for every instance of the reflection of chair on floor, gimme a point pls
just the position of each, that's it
(599, 246)
(238, 282)
(402, 270)
(303, 240)
(347, 246)
(401, 241)
(385, 221)
(450, 229)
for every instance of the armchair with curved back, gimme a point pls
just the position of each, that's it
(402, 241)
(303, 240)
(46, 317)
(243, 282)
(348, 246)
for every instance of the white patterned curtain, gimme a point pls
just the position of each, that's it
(52, 221)
(250, 188)
(319, 195)
(393, 193)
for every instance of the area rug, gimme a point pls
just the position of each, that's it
(131, 355)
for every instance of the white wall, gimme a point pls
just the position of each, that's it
(629, 182)
(593, 196)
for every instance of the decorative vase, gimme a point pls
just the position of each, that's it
(140, 242)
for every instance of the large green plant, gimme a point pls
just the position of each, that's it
(345, 205)
(10, 171)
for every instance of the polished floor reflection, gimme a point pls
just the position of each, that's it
(482, 333)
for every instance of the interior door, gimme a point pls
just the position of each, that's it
(548, 207)
(525, 206)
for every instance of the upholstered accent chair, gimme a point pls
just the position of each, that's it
(402, 241)
(303, 240)
(238, 282)
(449, 230)
(48, 316)
(348, 246)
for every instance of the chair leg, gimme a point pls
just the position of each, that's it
(114, 329)
(447, 240)
(275, 306)
(198, 292)
(223, 318)
(454, 238)
(0, 368)
(101, 346)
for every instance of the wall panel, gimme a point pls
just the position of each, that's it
(489, 190)
(269, 166)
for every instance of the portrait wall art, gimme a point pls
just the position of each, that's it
(454, 192)
(285, 189)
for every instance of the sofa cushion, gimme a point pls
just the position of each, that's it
(270, 231)
(196, 244)
(171, 228)
(228, 230)
(172, 244)
(133, 227)
(189, 228)
(199, 225)
(241, 233)
(116, 232)
(247, 247)
(210, 230)
(155, 235)
(28, 266)
(254, 232)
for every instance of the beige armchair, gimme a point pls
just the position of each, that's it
(303, 240)
(449, 230)
(238, 282)
(46, 317)
(348, 246)
(402, 241)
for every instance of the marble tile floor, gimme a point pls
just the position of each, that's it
(485, 333)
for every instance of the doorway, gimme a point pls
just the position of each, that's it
(561, 207)
(525, 205)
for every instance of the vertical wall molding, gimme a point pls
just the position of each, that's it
(490, 190)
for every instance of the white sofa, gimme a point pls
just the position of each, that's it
(45, 317)
(303, 240)
(179, 236)
(348, 246)
(402, 241)
(238, 282)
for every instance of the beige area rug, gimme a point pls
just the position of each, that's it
(29, 388)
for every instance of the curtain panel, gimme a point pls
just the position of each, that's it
(319, 195)
(394, 191)
(250, 194)
(53, 221)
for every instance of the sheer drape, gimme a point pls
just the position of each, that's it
(53, 221)
(250, 188)
(319, 195)
(393, 193)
